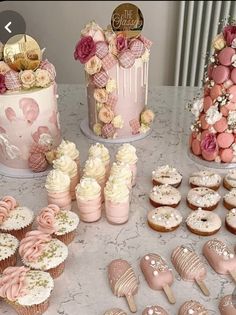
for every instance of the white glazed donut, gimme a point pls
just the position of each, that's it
(230, 180)
(202, 197)
(229, 199)
(164, 219)
(230, 221)
(205, 178)
(202, 222)
(166, 175)
(164, 195)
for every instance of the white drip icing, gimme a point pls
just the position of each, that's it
(141, 75)
(124, 82)
(135, 83)
(130, 80)
(117, 78)
(146, 85)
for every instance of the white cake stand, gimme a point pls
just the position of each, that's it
(84, 126)
(20, 173)
(220, 166)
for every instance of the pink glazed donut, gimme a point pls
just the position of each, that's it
(221, 125)
(207, 103)
(226, 55)
(220, 74)
(226, 155)
(216, 91)
(233, 75)
(225, 140)
(232, 91)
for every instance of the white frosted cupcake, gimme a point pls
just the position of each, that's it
(14, 219)
(39, 251)
(69, 167)
(94, 168)
(27, 291)
(122, 172)
(127, 154)
(60, 223)
(58, 189)
(8, 250)
(89, 200)
(117, 197)
(98, 150)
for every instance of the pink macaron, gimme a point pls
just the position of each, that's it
(203, 122)
(216, 91)
(233, 75)
(232, 91)
(220, 74)
(231, 106)
(207, 103)
(204, 134)
(226, 55)
(226, 155)
(196, 147)
(209, 156)
(225, 140)
(228, 84)
(209, 71)
(224, 110)
(221, 125)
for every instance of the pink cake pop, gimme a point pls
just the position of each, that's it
(226, 306)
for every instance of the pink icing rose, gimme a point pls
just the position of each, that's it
(121, 43)
(12, 283)
(4, 211)
(32, 246)
(30, 109)
(85, 49)
(46, 65)
(46, 219)
(11, 202)
(229, 33)
(2, 84)
(209, 143)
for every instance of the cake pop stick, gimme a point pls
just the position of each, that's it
(220, 257)
(157, 274)
(123, 281)
(190, 267)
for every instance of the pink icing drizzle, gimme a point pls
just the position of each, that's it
(12, 283)
(46, 219)
(32, 246)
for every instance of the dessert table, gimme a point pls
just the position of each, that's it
(83, 288)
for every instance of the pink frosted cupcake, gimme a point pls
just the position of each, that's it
(14, 219)
(116, 202)
(98, 150)
(39, 251)
(27, 291)
(60, 223)
(69, 167)
(58, 189)
(127, 155)
(89, 200)
(8, 250)
(69, 148)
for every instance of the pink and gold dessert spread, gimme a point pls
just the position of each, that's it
(116, 66)
(213, 132)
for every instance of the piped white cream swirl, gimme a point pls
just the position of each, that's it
(68, 148)
(116, 191)
(127, 154)
(100, 151)
(121, 171)
(66, 165)
(88, 188)
(57, 181)
(94, 167)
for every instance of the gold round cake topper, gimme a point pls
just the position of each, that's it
(22, 52)
(127, 18)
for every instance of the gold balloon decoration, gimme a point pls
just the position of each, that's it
(22, 52)
(127, 19)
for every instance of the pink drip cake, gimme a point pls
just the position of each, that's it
(116, 71)
(213, 136)
(29, 118)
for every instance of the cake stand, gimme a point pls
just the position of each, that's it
(20, 173)
(84, 126)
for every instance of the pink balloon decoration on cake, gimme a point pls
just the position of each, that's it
(42, 129)
(10, 114)
(30, 109)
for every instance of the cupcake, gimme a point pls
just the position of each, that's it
(27, 291)
(14, 219)
(95, 168)
(58, 189)
(8, 250)
(100, 151)
(39, 251)
(122, 172)
(89, 200)
(69, 167)
(116, 202)
(69, 148)
(60, 223)
(127, 155)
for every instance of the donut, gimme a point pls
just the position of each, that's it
(202, 197)
(221, 125)
(216, 91)
(232, 91)
(230, 180)
(207, 103)
(192, 307)
(226, 305)
(233, 75)
(196, 147)
(166, 175)
(164, 219)
(204, 223)
(164, 195)
(154, 310)
(220, 74)
(226, 155)
(229, 199)
(226, 55)
(230, 221)
(225, 140)
(205, 178)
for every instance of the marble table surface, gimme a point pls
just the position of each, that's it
(83, 288)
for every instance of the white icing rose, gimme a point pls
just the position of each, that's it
(97, 129)
(93, 65)
(118, 122)
(57, 181)
(4, 68)
(127, 154)
(111, 85)
(146, 55)
(213, 115)
(231, 118)
(45, 139)
(66, 165)
(197, 107)
(27, 79)
(88, 188)
(144, 128)
(42, 78)
(68, 148)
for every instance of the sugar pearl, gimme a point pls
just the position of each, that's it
(225, 253)
(191, 311)
(150, 312)
(147, 257)
(152, 262)
(185, 250)
(155, 272)
(231, 256)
